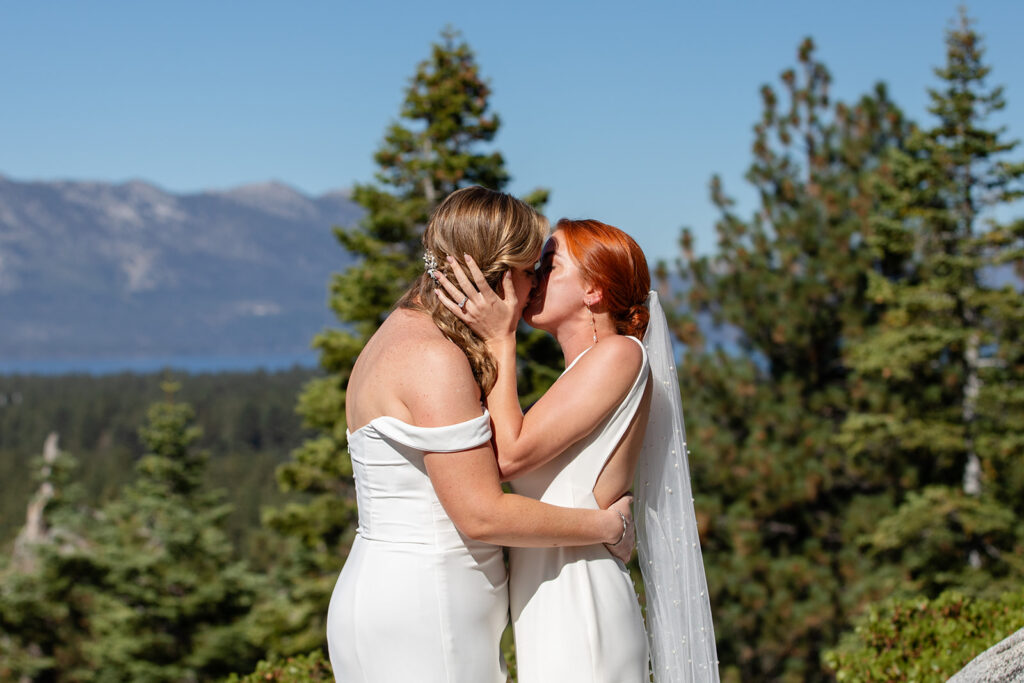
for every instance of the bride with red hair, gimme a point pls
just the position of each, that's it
(611, 422)
(423, 592)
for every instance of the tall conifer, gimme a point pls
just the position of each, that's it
(779, 508)
(46, 583)
(172, 599)
(948, 345)
(439, 145)
(145, 589)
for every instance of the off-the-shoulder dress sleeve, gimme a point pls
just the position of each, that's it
(445, 439)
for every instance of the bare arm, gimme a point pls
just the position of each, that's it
(467, 485)
(574, 405)
(467, 482)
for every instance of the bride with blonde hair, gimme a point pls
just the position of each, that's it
(423, 594)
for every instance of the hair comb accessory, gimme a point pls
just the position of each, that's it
(430, 264)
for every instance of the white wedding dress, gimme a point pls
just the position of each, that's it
(574, 610)
(416, 600)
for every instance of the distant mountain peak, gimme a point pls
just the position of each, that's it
(339, 193)
(141, 185)
(272, 196)
(263, 189)
(93, 268)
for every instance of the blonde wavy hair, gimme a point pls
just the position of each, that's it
(499, 232)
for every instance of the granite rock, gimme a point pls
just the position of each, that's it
(1001, 663)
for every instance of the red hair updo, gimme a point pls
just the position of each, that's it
(612, 261)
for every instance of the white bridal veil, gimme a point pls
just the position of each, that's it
(679, 623)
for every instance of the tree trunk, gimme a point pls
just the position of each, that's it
(428, 184)
(35, 529)
(972, 469)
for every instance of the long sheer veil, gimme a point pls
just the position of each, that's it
(679, 626)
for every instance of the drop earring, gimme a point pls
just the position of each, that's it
(593, 323)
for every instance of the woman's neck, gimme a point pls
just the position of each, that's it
(578, 336)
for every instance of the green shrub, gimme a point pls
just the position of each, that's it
(300, 669)
(924, 640)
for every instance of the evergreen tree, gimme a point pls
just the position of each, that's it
(438, 146)
(172, 599)
(948, 347)
(146, 589)
(46, 583)
(779, 508)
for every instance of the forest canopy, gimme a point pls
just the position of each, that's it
(855, 457)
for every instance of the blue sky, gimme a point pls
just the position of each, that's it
(623, 110)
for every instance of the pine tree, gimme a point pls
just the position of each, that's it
(948, 345)
(779, 508)
(172, 601)
(47, 582)
(438, 146)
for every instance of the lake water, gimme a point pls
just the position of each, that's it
(190, 364)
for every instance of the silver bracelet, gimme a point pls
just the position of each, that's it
(625, 525)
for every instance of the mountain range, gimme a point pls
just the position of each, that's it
(120, 270)
(98, 271)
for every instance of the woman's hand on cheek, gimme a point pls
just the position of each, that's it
(491, 317)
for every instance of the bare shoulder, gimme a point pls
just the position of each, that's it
(616, 353)
(436, 382)
(608, 369)
(622, 345)
(415, 338)
(440, 362)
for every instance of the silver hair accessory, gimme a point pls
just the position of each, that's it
(430, 264)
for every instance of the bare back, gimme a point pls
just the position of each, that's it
(617, 476)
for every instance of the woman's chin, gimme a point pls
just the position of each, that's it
(530, 316)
